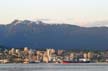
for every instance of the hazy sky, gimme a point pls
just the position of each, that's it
(79, 12)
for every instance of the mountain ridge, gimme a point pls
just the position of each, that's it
(37, 34)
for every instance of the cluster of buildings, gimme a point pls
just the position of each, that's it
(27, 55)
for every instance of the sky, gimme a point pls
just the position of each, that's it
(78, 12)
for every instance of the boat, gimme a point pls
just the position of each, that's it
(66, 62)
(76, 61)
(34, 62)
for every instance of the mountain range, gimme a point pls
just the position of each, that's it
(37, 34)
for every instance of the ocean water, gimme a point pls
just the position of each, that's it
(54, 67)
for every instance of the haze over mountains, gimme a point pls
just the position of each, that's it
(38, 34)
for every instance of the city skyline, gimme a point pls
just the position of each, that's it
(77, 12)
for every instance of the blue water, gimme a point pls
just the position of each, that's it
(54, 67)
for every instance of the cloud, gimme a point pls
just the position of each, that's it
(98, 24)
(43, 19)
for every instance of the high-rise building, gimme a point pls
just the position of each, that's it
(85, 55)
(60, 52)
(48, 52)
(90, 55)
(12, 51)
(26, 49)
(72, 56)
(45, 57)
